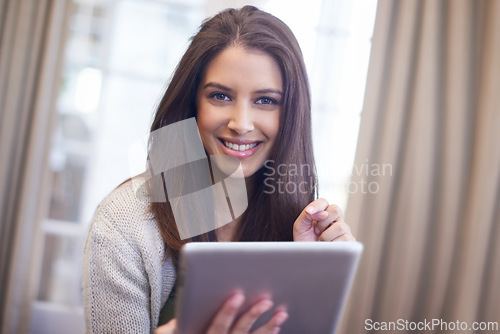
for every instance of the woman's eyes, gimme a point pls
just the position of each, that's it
(261, 100)
(220, 97)
(266, 100)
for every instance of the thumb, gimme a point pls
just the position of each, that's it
(169, 328)
(312, 212)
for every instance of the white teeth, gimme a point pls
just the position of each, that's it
(237, 147)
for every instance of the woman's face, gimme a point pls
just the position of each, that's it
(238, 105)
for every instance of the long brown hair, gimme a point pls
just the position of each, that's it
(270, 214)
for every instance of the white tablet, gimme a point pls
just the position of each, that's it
(310, 279)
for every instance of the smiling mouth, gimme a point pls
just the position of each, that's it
(236, 147)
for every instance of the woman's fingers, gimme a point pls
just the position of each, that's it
(316, 206)
(321, 221)
(338, 231)
(333, 227)
(224, 319)
(313, 212)
(273, 326)
(246, 321)
(333, 214)
(169, 328)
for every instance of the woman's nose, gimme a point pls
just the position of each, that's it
(241, 119)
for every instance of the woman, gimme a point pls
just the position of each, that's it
(244, 79)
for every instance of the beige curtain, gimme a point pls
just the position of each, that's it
(429, 158)
(31, 35)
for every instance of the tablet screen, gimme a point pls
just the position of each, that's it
(309, 279)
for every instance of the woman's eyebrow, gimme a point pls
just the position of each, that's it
(219, 86)
(225, 88)
(269, 90)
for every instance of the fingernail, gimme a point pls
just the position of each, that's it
(281, 318)
(237, 300)
(275, 330)
(323, 214)
(310, 209)
(265, 306)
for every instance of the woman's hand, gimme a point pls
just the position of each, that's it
(169, 328)
(320, 221)
(225, 320)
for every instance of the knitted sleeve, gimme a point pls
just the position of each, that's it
(125, 279)
(116, 289)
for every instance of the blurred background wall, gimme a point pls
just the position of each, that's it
(79, 82)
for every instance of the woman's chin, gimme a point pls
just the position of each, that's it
(224, 166)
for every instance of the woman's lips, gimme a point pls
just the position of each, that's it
(241, 148)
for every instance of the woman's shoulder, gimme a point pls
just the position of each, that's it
(126, 213)
(129, 199)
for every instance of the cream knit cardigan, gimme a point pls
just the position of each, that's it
(125, 280)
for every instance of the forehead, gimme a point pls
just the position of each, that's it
(237, 67)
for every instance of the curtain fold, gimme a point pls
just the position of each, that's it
(31, 35)
(22, 32)
(429, 223)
